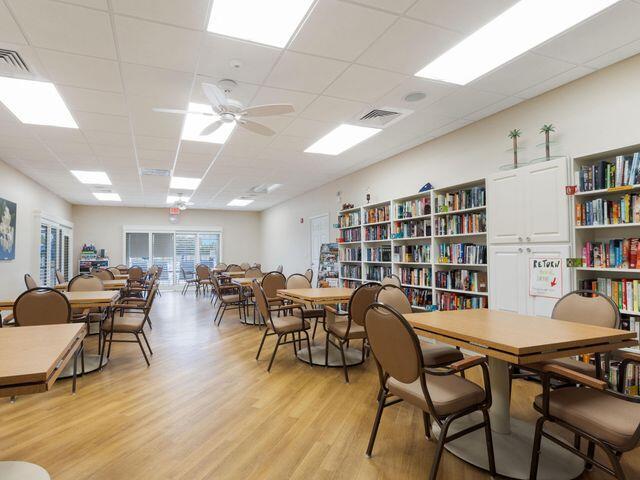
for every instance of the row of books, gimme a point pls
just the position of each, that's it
(631, 381)
(378, 254)
(351, 271)
(621, 172)
(377, 214)
(614, 253)
(600, 211)
(461, 253)
(376, 273)
(624, 292)
(376, 232)
(351, 283)
(458, 224)
(455, 301)
(412, 253)
(349, 219)
(420, 277)
(351, 235)
(413, 229)
(467, 198)
(633, 325)
(413, 208)
(467, 280)
(351, 254)
(419, 297)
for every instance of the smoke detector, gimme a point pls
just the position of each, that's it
(227, 85)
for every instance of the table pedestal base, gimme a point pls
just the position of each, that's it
(512, 451)
(352, 356)
(22, 471)
(91, 364)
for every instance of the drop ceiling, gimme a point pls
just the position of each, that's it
(114, 60)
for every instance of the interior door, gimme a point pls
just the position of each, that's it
(506, 278)
(505, 215)
(542, 306)
(319, 235)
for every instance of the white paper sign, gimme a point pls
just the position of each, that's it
(545, 277)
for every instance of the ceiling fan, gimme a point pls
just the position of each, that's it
(182, 203)
(228, 110)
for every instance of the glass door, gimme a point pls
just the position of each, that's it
(162, 247)
(209, 249)
(137, 250)
(185, 258)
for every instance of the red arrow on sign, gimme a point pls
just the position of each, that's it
(554, 282)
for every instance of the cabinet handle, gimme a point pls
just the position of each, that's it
(528, 250)
(520, 250)
(528, 239)
(519, 239)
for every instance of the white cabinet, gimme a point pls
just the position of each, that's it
(529, 204)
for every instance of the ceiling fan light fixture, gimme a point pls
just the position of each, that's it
(194, 124)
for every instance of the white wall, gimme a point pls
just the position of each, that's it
(31, 198)
(102, 226)
(593, 114)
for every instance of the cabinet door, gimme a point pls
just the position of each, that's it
(543, 306)
(507, 279)
(546, 209)
(505, 214)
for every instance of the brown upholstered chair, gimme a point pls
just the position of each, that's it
(60, 277)
(604, 418)
(114, 270)
(203, 277)
(85, 283)
(103, 274)
(280, 326)
(309, 274)
(30, 282)
(308, 312)
(221, 266)
(245, 266)
(136, 274)
(131, 320)
(433, 355)
(253, 272)
(189, 280)
(271, 283)
(391, 280)
(123, 269)
(234, 268)
(230, 297)
(439, 393)
(352, 325)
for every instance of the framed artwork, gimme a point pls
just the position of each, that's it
(7, 229)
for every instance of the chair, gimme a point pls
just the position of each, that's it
(271, 283)
(309, 274)
(30, 282)
(279, 268)
(122, 268)
(298, 280)
(234, 268)
(245, 266)
(132, 320)
(353, 327)
(253, 272)
(280, 326)
(135, 274)
(189, 280)
(115, 271)
(391, 280)
(604, 418)
(439, 393)
(230, 296)
(85, 283)
(203, 278)
(433, 355)
(221, 267)
(60, 277)
(103, 274)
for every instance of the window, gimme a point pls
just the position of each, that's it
(55, 251)
(138, 250)
(163, 256)
(209, 244)
(185, 255)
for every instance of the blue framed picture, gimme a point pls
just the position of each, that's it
(8, 212)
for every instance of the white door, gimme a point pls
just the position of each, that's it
(507, 278)
(542, 306)
(546, 208)
(319, 235)
(505, 215)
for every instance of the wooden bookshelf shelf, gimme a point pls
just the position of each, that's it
(404, 239)
(414, 263)
(464, 210)
(461, 265)
(408, 285)
(609, 270)
(608, 191)
(376, 241)
(347, 228)
(350, 261)
(351, 279)
(376, 263)
(463, 292)
(375, 223)
(615, 225)
(349, 243)
(408, 219)
(454, 235)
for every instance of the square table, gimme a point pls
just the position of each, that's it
(108, 285)
(505, 338)
(239, 274)
(89, 299)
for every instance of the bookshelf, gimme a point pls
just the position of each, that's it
(397, 236)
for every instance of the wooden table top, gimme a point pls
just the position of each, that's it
(79, 299)
(245, 280)
(325, 296)
(108, 285)
(234, 274)
(31, 358)
(517, 338)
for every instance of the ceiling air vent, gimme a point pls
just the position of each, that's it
(382, 116)
(154, 172)
(12, 62)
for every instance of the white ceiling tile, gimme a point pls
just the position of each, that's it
(157, 82)
(408, 46)
(301, 127)
(615, 26)
(104, 150)
(365, 84)
(56, 133)
(520, 74)
(433, 91)
(243, 93)
(555, 82)
(93, 100)
(199, 148)
(396, 6)
(95, 137)
(333, 110)
(340, 30)
(495, 108)
(163, 164)
(99, 4)
(296, 71)
(464, 16)
(9, 30)
(147, 122)
(268, 95)
(99, 121)
(65, 27)
(191, 14)
(81, 71)
(463, 102)
(218, 53)
(159, 155)
(616, 55)
(68, 149)
(156, 143)
(158, 45)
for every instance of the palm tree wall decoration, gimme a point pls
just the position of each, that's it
(547, 129)
(513, 135)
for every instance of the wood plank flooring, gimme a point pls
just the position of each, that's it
(205, 409)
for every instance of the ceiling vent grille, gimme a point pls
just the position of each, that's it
(12, 62)
(380, 117)
(154, 172)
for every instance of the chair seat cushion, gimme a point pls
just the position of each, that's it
(438, 354)
(230, 298)
(309, 312)
(603, 416)
(129, 323)
(449, 394)
(289, 324)
(575, 365)
(340, 329)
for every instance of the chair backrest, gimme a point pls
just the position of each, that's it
(41, 306)
(253, 272)
(394, 297)
(60, 277)
(202, 272)
(364, 296)
(272, 282)
(85, 283)
(392, 280)
(594, 309)
(245, 266)
(234, 268)
(297, 280)
(114, 270)
(30, 282)
(394, 344)
(279, 268)
(153, 269)
(260, 297)
(103, 274)
(135, 274)
(309, 274)
(257, 265)
(151, 296)
(122, 268)
(221, 266)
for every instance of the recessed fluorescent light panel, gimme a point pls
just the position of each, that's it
(270, 22)
(184, 183)
(35, 103)
(107, 197)
(92, 178)
(519, 29)
(342, 138)
(194, 124)
(240, 202)
(175, 198)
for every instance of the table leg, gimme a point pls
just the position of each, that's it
(22, 471)
(501, 396)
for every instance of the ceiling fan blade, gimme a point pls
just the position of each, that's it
(212, 127)
(268, 110)
(216, 97)
(256, 127)
(170, 110)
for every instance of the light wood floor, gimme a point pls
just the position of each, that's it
(205, 409)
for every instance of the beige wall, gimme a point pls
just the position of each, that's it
(31, 199)
(102, 226)
(593, 114)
